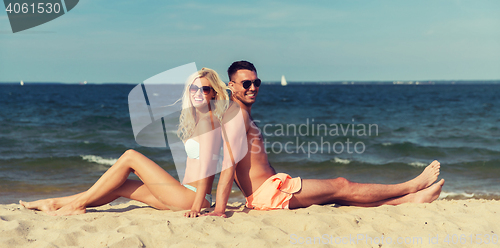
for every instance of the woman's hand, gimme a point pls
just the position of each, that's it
(192, 214)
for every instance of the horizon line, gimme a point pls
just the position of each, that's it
(339, 82)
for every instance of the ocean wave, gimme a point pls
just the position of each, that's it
(455, 195)
(417, 164)
(464, 196)
(99, 160)
(433, 151)
(341, 161)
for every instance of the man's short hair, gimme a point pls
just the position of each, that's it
(239, 65)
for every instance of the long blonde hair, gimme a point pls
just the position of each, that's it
(187, 120)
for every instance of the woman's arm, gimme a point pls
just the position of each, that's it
(199, 199)
(210, 142)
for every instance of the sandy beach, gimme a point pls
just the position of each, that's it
(443, 223)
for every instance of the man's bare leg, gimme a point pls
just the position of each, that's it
(426, 195)
(317, 191)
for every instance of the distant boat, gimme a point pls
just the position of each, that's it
(283, 80)
(84, 83)
(22, 83)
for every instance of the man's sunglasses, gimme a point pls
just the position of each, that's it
(206, 89)
(246, 83)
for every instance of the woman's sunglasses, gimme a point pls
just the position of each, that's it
(246, 83)
(206, 89)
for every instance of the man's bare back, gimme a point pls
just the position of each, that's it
(254, 168)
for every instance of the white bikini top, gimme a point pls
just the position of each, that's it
(192, 148)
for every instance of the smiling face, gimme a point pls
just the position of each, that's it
(199, 98)
(240, 94)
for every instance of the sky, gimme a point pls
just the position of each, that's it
(335, 40)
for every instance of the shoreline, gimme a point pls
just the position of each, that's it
(133, 224)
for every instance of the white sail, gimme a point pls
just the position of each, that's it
(283, 80)
(22, 83)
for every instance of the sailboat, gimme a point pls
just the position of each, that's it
(22, 83)
(283, 80)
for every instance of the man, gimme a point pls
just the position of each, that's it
(265, 189)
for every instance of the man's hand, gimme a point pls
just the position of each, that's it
(192, 214)
(223, 215)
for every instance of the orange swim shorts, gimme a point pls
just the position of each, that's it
(274, 193)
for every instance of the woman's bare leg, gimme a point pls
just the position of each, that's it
(162, 186)
(317, 191)
(157, 184)
(135, 190)
(132, 189)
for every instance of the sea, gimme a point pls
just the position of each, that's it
(58, 139)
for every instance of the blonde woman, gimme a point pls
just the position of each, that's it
(198, 128)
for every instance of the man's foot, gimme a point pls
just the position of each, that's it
(426, 178)
(68, 210)
(45, 205)
(429, 194)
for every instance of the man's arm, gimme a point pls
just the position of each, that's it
(235, 148)
(223, 190)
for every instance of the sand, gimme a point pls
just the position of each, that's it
(133, 224)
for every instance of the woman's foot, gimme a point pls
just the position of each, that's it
(45, 205)
(68, 210)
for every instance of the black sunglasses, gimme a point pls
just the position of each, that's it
(246, 83)
(206, 89)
